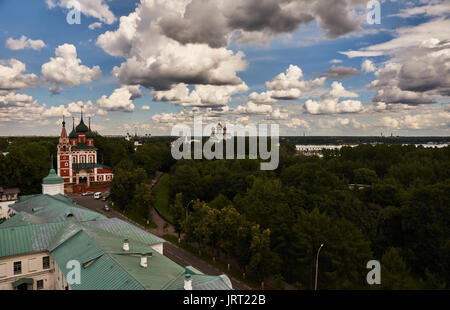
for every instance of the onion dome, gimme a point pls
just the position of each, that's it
(82, 126)
(73, 134)
(52, 178)
(90, 135)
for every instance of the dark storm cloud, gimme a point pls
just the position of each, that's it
(259, 15)
(212, 22)
(334, 18)
(340, 72)
(415, 78)
(202, 23)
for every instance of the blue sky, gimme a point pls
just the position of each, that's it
(152, 97)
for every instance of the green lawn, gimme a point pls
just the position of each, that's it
(161, 193)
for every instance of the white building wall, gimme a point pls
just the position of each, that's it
(70, 164)
(32, 267)
(58, 164)
(59, 280)
(158, 248)
(53, 189)
(4, 209)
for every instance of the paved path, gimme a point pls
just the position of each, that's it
(173, 252)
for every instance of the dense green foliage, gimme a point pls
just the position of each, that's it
(27, 162)
(273, 222)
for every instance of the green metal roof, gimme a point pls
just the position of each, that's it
(22, 219)
(99, 271)
(53, 209)
(63, 198)
(52, 178)
(97, 245)
(107, 266)
(83, 146)
(200, 281)
(22, 281)
(27, 239)
(124, 229)
(89, 166)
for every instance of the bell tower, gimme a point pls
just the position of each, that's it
(63, 159)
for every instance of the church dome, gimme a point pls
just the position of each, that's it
(82, 127)
(90, 135)
(52, 178)
(73, 134)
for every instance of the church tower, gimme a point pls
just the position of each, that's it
(63, 160)
(77, 159)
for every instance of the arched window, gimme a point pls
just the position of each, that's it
(74, 159)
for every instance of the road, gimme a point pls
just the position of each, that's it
(176, 254)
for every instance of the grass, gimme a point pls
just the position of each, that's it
(161, 193)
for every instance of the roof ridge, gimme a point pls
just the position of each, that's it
(34, 224)
(118, 220)
(51, 248)
(94, 228)
(173, 281)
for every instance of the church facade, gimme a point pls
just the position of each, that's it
(78, 160)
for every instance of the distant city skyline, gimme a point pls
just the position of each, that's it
(314, 67)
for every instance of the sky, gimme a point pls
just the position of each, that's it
(314, 67)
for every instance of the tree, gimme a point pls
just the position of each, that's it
(124, 185)
(395, 274)
(178, 213)
(202, 225)
(142, 201)
(263, 262)
(25, 166)
(365, 176)
(230, 223)
(343, 258)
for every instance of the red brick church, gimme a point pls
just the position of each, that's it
(77, 159)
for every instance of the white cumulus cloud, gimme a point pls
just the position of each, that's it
(24, 43)
(66, 68)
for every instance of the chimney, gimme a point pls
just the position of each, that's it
(126, 245)
(144, 259)
(187, 282)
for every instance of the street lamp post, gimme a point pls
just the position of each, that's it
(317, 266)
